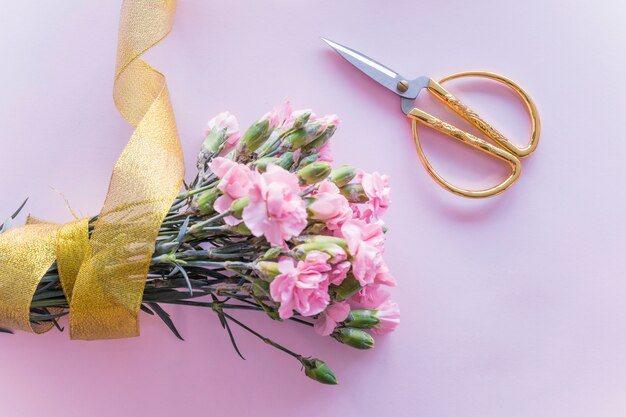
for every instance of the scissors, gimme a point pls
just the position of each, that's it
(408, 90)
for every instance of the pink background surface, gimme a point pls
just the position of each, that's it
(512, 306)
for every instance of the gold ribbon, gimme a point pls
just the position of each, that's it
(104, 277)
(26, 253)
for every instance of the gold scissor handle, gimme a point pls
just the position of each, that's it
(509, 152)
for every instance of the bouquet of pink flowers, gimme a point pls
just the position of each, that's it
(268, 225)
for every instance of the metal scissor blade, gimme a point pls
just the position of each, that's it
(378, 72)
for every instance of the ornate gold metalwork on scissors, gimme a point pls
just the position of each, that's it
(502, 148)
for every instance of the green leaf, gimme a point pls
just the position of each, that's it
(184, 274)
(182, 231)
(7, 223)
(146, 309)
(232, 338)
(166, 319)
(348, 287)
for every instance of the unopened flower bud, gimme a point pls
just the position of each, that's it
(204, 201)
(318, 371)
(271, 144)
(256, 135)
(343, 175)
(336, 252)
(221, 128)
(214, 140)
(309, 159)
(238, 205)
(303, 136)
(328, 239)
(285, 160)
(267, 270)
(221, 136)
(318, 143)
(354, 337)
(301, 120)
(362, 319)
(294, 140)
(315, 228)
(166, 247)
(354, 193)
(241, 229)
(314, 172)
(262, 163)
(272, 253)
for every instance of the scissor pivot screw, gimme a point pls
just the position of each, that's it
(402, 86)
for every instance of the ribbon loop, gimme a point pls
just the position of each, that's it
(103, 277)
(146, 179)
(26, 253)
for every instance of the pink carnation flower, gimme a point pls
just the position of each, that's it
(229, 123)
(363, 212)
(293, 116)
(389, 316)
(339, 272)
(329, 119)
(278, 116)
(323, 122)
(276, 209)
(365, 243)
(235, 182)
(376, 187)
(370, 296)
(330, 206)
(325, 153)
(302, 286)
(384, 277)
(334, 313)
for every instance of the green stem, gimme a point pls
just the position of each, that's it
(266, 340)
(195, 191)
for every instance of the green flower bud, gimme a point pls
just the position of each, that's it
(318, 371)
(314, 228)
(214, 140)
(328, 239)
(238, 205)
(256, 135)
(301, 120)
(306, 161)
(332, 249)
(271, 144)
(241, 229)
(286, 160)
(362, 319)
(294, 140)
(347, 289)
(317, 144)
(204, 201)
(267, 270)
(303, 136)
(354, 193)
(166, 248)
(343, 175)
(272, 253)
(314, 172)
(353, 337)
(262, 163)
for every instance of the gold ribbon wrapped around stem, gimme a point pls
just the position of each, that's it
(104, 276)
